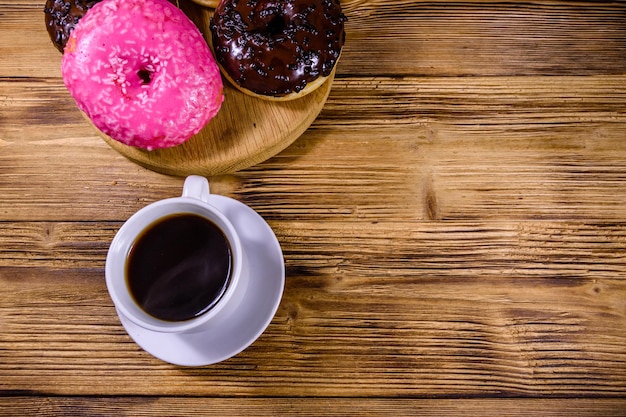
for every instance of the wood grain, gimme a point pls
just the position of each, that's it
(124, 406)
(417, 148)
(453, 225)
(485, 38)
(411, 37)
(389, 318)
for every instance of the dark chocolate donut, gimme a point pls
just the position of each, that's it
(62, 16)
(275, 48)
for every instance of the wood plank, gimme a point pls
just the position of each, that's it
(469, 38)
(138, 407)
(532, 249)
(446, 149)
(413, 38)
(517, 349)
(453, 225)
(385, 309)
(41, 109)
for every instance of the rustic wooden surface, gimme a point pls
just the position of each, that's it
(453, 225)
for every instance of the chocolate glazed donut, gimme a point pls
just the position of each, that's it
(276, 48)
(62, 16)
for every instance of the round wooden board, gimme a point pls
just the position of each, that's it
(245, 132)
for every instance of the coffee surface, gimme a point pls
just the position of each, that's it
(179, 267)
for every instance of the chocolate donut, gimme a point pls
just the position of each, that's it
(276, 48)
(62, 16)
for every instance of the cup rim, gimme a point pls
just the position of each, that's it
(117, 255)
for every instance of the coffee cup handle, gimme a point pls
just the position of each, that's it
(196, 187)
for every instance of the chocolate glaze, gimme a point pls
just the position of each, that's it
(62, 16)
(275, 48)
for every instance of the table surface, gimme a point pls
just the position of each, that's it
(453, 225)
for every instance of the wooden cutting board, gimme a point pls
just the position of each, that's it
(245, 132)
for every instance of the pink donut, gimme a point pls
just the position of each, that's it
(142, 72)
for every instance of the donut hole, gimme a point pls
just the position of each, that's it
(276, 25)
(145, 75)
(271, 20)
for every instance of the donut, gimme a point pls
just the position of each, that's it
(142, 72)
(62, 16)
(277, 50)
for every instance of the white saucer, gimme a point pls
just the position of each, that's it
(231, 331)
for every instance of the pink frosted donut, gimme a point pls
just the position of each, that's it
(142, 72)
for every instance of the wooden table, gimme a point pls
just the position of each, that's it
(453, 225)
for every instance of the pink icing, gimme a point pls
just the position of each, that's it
(142, 72)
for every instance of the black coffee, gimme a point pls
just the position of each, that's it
(179, 267)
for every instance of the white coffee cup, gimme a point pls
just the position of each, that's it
(195, 199)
